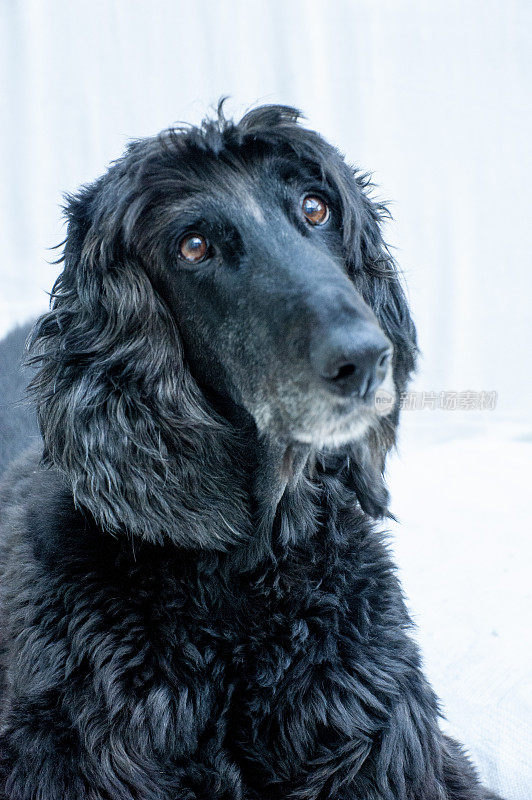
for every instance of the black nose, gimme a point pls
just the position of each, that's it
(352, 361)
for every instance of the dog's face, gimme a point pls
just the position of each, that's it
(254, 235)
(222, 274)
(252, 267)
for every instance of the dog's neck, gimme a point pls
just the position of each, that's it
(283, 484)
(279, 484)
(274, 479)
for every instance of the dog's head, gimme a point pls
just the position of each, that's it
(228, 272)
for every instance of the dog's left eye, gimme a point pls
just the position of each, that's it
(315, 209)
(193, 248)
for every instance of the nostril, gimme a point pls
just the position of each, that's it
(345, 371)
(353, 361)
(384, 360)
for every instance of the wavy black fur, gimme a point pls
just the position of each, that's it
(195, 602)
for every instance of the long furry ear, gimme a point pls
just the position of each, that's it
(119, 412)
(379, 279)
(376, 276)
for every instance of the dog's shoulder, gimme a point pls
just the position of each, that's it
(38, 514)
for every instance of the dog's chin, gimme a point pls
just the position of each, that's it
(348, 424)
(324, 422)
(335, 432)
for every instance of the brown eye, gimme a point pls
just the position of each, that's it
(193, 248)
(315, 209)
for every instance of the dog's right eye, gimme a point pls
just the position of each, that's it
(193, 248)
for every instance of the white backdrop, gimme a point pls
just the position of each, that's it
(433, 96)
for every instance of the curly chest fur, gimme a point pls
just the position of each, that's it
(297, 676)
(324, 673)
(293, 671)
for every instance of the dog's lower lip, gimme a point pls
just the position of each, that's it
(341, 420)
(350, 405)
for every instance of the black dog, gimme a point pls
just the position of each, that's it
(196, 602)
